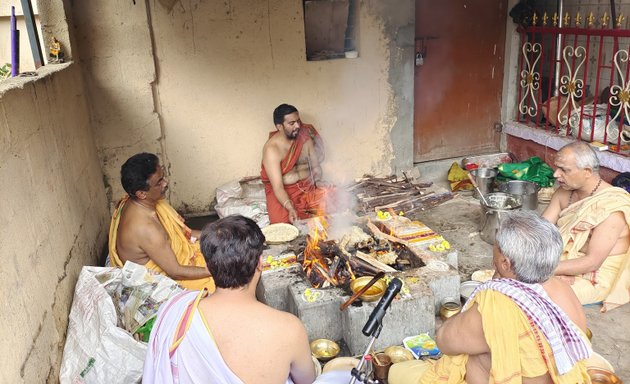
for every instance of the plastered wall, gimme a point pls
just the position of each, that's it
(54, 217)
(198, 84)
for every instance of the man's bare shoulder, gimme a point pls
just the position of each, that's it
(282, 321)
(561, 194)
(271, 147)
(561, 293)
(559, 201)
(136, 229)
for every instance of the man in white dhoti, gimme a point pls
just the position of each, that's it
(228, 337)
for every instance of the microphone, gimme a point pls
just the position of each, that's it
(376, 317)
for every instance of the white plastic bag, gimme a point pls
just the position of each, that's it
(612, 129)
(227, 191)
(96, 350)
(253, 190)
(255, 210)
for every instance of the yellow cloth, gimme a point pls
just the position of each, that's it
(516, 354)
(187, 253)
(458, 178)
(611, 282)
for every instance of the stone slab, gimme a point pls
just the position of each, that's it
(443, 284)
(272, 289)
(318, 309)
(405, 317)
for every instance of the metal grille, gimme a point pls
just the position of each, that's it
(573, 79)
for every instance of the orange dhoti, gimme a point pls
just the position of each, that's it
(306, 197)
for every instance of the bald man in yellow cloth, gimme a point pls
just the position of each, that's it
(594, 220)
(146, 230)
(525, 327)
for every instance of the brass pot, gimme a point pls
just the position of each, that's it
(324, 349)
(603, 376)
(373, 293)
(449, 307)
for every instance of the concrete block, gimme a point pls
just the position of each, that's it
(318, 309)
(405, 317)
(443, 284)
(452, 258)
(272, 289)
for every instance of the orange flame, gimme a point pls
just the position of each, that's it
(313, 260)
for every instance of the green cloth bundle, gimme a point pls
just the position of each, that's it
(532, 169)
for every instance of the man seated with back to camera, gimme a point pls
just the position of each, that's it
(594, 221)
(229, 337)
(146, 230)
(526, 326)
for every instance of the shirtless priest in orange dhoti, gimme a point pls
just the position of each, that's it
(146, 230)
(291, 170)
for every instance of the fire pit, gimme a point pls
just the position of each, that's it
(317, 283)
(336, 262)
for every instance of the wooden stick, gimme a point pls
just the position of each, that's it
(386, 184)
(361, 291)
(357, 185)
(375, 263)
(323, 273)
(403, 201)
(395, 194)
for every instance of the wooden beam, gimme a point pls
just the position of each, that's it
(33, 35)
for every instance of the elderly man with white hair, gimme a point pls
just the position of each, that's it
(594, 221)
(525, 326)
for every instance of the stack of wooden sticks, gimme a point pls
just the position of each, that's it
(394, 194)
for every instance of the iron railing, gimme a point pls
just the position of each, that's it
(574, 80)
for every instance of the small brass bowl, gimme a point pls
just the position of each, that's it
(602, 376)
(398, 354)
(449, 308)
(324, 349)
(373, 293)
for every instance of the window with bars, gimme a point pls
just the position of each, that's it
(573, 76)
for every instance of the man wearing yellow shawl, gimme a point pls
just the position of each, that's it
(594, 220)
(526, 326)
(145, 228)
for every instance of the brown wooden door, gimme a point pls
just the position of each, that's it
(458, 87)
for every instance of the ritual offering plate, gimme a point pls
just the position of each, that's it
(324, 349)
(340, 364)
(482, 275)
(602, 376)
(398, 354)
(596, 361)
(280, 233)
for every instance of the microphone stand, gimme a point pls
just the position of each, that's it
(356, 372)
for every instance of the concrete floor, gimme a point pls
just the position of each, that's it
(458, 220)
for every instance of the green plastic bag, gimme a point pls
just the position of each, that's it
(145, 330)
(532, 169)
